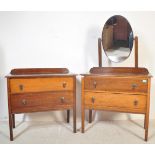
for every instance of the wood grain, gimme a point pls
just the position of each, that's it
(121, 84)
(134, 103)
(10, 111)
(32, 102)
(99, 52)
(119, 70)
(26, 71)
(147, 111)
(136, 52)
(40, 84)
(38, 90)
(82, 106)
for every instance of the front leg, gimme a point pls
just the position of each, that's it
(83, 120)
(68, 116)
(146, 126)
(74, 119)
(11, 126)
(13, 120)
(90, 116)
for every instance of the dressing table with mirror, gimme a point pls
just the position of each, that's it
(117, 89)
(40, 89)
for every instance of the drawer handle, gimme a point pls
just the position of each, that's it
(24, 102)
(21, 87)
(134, 86)
(95, 84)
(62, 99)
(135, 102)
(64, 84)
(93, 99)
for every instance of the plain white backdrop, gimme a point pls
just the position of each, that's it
(67, 39)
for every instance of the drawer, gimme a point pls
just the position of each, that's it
(41, 101)
(40, 84)
(116, 84)
(116, 102)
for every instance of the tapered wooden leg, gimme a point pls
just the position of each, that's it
(74, 107)
(146, 126)
(11, 127)
(90, 116)
(82, 107)
(83, 120)
(13, 120)
(146, 135)
(144, 121)
(68, 116)
(74, 119)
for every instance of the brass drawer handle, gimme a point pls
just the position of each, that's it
(93, 99)
(95, 84)
(134, 86)
(24, 102)
(64, 84)
(62, 99)
(135, 103)
(21, 87)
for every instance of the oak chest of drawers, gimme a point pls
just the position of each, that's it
(36, 90)
(123, 92)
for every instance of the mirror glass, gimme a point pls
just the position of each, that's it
(117, 38)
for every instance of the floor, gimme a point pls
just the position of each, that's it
(119, 54)
(114, 132)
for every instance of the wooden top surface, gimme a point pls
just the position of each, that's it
(95, 71)
(118, 72)
(39, 72)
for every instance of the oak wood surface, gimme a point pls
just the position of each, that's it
(40, 84)
(119, 70)
(74, 104)
(22, 102)
(37, 90)
(136, 52)
(116, 89)
(132, 103)
(9, 112)
(82, 106)
(126, 93)
(30, 71)
(99, 52)
(147, 112)
(121, 84)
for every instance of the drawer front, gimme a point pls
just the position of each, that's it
(116, 84)
(118, 102)
(40, 84)
(41, 101)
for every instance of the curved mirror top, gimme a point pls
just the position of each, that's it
(117, 38)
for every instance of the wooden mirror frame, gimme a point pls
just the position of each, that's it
(100, 51)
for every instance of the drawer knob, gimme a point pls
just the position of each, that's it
(62, 99)
(24, 102)
(21, 87)
(135, 102)
(134, 86)
(93, 99)
(95, 84)
(64, 84)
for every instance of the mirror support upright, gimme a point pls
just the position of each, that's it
(99, 52)
(136, 51)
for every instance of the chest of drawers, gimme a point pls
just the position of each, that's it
(123, 92)
(37, 90)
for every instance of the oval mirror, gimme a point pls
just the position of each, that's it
(117, 38)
